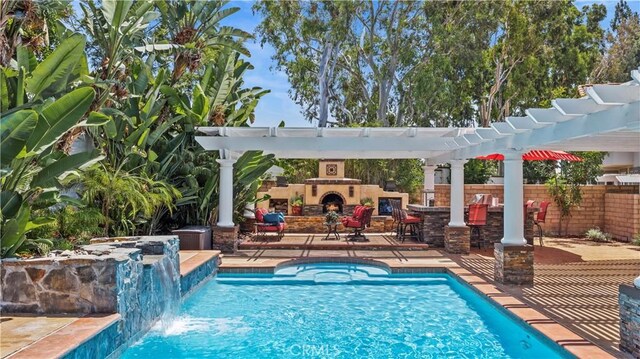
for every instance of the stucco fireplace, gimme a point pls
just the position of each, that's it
(331, 190)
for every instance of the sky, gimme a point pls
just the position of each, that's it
(277, 106)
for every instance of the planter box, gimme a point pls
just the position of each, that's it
(194, 237)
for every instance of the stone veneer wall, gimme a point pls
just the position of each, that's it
(140, 279)
(514, 264)
(457, 240)
(591, 212)
(622, 215)
(629, 300)
(435, 221)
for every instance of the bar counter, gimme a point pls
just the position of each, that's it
(434, 219)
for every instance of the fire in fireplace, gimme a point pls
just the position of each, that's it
(332, 202)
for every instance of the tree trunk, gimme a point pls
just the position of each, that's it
(383, 98)
(323, 85)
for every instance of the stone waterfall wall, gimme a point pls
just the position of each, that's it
(136, 277)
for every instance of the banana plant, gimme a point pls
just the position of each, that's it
(193, 27)
(200, 185)
(39, 108)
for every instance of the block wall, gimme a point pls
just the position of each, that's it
(591, 213)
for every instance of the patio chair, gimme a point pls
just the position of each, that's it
(540, 218)
(358, 222)
(477, 220)
(395, 215)
(413, 223)
(263, 227)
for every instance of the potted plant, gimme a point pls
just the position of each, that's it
(296, 205)
(367, 201)
(331, 217)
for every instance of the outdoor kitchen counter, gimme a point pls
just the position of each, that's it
(434, 219)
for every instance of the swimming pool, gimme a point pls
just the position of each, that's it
(326, 310)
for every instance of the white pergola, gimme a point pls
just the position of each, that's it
(606, 119)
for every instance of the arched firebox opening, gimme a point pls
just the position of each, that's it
(332, 202)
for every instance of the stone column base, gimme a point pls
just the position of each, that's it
(629, 300)
(514, 264)
(457, 240)
(224, 238)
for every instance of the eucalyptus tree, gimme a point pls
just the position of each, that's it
(539, 49)
(622, 52)
(309, 38)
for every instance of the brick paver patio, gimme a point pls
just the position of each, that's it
(571, 286)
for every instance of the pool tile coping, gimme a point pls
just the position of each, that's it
(554, 331)
(64, 340)
(196, 260)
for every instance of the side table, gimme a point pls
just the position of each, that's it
(332, 228)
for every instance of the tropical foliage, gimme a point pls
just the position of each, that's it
(126, 86)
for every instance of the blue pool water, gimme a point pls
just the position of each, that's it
(340, 311)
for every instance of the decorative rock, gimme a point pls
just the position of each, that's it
(35, 274)
(86, 274)
(17, 287)
(61, 280)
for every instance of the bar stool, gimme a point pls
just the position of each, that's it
(395, 215)
(540, 218)
(477, 220)
(413, 223)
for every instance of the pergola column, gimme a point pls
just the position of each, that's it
(456, 233)
(226, 232)
(457, 194)
(513, 196)
(514, 257)
(225, 208)
(429, 184)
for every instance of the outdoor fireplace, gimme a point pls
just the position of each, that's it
(332, 202)
(330, 191)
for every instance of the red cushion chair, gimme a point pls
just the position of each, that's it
(359, 221)
(263, 228)
(414, 224)
(477, 220)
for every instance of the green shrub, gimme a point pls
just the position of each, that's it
(636, 239)
(63, 244)
(72, 224)
(79, 224)
(367, 201)
(596, 235)
(296, 201)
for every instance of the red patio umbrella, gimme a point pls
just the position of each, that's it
(537, 155)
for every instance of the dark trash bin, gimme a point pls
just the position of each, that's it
(194, 237)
